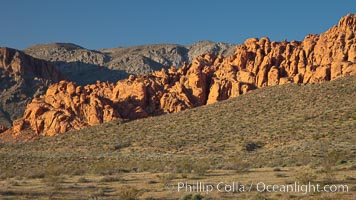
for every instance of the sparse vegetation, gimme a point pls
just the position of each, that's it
(192, 197)
(129, 193)
(277, 169)
(306, 175)
(111, 179)
(83, 180)
(289, 127)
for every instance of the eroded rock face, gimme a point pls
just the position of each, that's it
(66, 106)
(22, 78)
(209, 78)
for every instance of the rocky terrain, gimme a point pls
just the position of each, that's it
(207, 79)
(22, 78)
(281, 134)
(85, 66)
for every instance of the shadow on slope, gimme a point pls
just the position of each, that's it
(84, 73)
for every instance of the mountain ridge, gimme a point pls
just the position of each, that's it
(77, 64)
(209, 78)
(136, 60)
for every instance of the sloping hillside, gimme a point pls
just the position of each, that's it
(287, 125)
(283, 126)
(208, 79)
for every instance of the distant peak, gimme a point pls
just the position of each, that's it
(203, 42)
(68, 46)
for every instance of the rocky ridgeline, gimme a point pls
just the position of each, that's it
(85, 66)
(209, 78)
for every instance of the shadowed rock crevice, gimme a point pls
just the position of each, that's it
(83, 73)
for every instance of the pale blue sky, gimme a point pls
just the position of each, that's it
(109, 23)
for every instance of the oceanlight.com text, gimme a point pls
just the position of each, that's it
(236, 187)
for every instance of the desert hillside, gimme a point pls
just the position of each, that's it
(294, 132)
(209, 78)
(178, 100)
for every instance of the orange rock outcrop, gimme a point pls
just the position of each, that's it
(208, 79)
(66, 106)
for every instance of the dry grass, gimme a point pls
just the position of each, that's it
(135, 185)
(289, 126)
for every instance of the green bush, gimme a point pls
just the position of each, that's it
(150, 198)
(186, 197)
(197, 197)
(192, 197)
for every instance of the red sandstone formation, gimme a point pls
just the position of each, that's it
(208, 79)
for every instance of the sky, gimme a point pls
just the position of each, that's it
(116, 23)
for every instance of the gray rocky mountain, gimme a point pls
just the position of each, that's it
(26, 74)
(86, 66)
